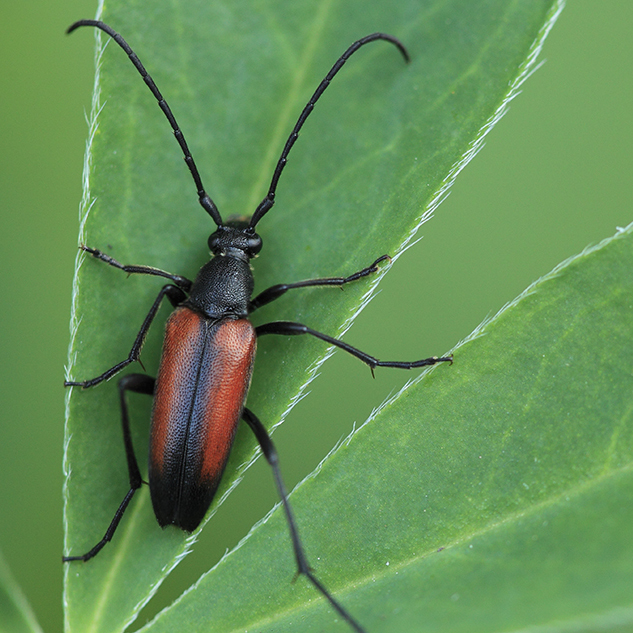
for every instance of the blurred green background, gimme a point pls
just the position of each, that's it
(555, 176)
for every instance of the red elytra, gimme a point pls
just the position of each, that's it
(203, 378)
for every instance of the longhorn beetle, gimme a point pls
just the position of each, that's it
(208, 353)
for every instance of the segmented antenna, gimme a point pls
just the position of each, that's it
(207, 204)
(267, 203)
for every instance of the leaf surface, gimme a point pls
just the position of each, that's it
(380, 150)
(16, 615)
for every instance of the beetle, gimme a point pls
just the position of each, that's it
(208, 352)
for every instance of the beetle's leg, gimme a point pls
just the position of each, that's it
(175, 296)
(289, 328)
(181, 282)
(270, 453)
(139, 383)
(274, 292)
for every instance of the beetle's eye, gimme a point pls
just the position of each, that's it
(254, 244)
(214, 239)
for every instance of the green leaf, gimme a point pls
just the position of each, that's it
(16, 615)
(492, 497)
(379, 152)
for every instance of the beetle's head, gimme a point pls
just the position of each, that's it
(235, 239)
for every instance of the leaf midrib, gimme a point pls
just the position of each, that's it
(290, 101)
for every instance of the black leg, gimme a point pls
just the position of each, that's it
(290, 328)
(270, 453)
(139, 383)
(274, 292)
(181, 282)
(175, 296)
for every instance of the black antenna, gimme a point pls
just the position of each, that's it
(207, 204)
(267, 203)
